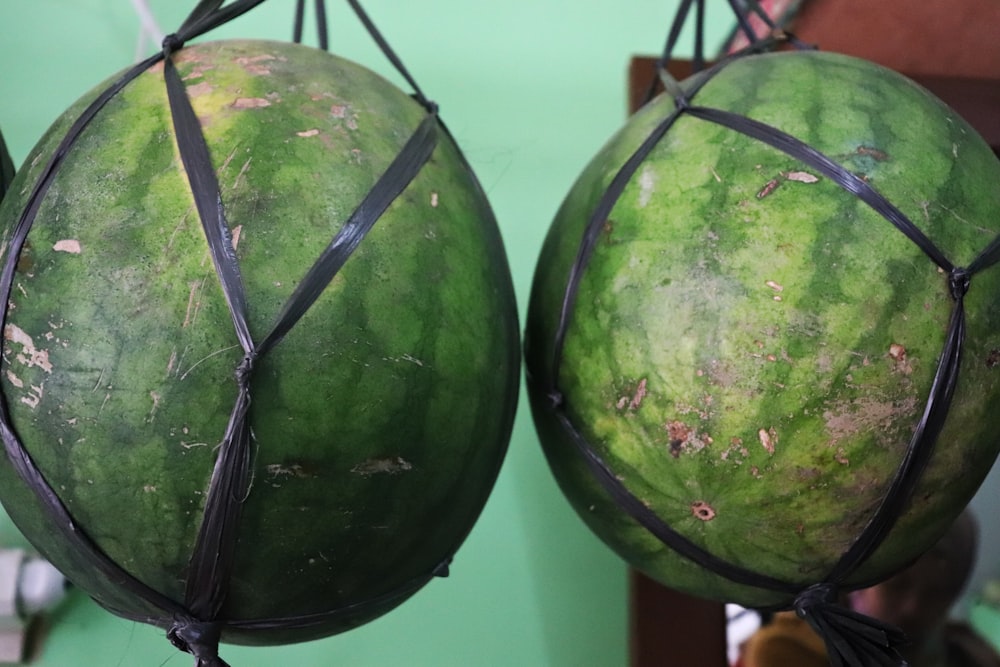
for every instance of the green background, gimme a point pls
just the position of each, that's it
(530, 89)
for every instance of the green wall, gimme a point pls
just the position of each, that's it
(530, 89)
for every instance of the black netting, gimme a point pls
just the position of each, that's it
(195, 625)
(852, 639)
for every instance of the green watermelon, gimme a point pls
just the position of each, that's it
(750, 346)
(379, 422)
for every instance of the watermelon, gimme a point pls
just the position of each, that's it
(746, 347)
(379, 422)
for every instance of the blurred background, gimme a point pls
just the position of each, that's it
(530, 89)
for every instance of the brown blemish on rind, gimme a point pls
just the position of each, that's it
(874, 153)
(252, 64)
(702, 510)
(993, 358)
(848, 419)
(685, 438)
(679, 434)
(607, 229)
(198, 89)
(768, 188)
(382, 466)
(71, 246)
(898, 355)
(640, 393)
(251, 103)
(767, 439)
(800, 176)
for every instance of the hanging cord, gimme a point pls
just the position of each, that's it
(851, 638)
(195, 626)
(321, 23)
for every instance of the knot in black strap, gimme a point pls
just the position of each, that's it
(814, 596)
(245, 367)
(958, 282)
(443, 569)
(172, 43)
(555, 399)
(199, 638)
(852, 639)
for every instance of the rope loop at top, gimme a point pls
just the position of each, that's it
(958, 282)
(172, 43)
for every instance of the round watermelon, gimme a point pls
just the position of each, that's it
(742, 347)
(376, 425)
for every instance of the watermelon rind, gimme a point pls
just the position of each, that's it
(750, 346)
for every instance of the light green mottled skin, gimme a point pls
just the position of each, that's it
(744, 351)
(380, 421)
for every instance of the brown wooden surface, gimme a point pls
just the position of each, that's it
(671, 629)
(951, 38)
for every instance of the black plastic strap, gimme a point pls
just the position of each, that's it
(211, 563)
(741, 10)
(390, 185)
(321, 27)
(834, 171)
(672, 36)
(6, 167)
(592, 232)
(637, 509)
(210, 14)
(205, 189)
(391, 55)
(199, 639)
